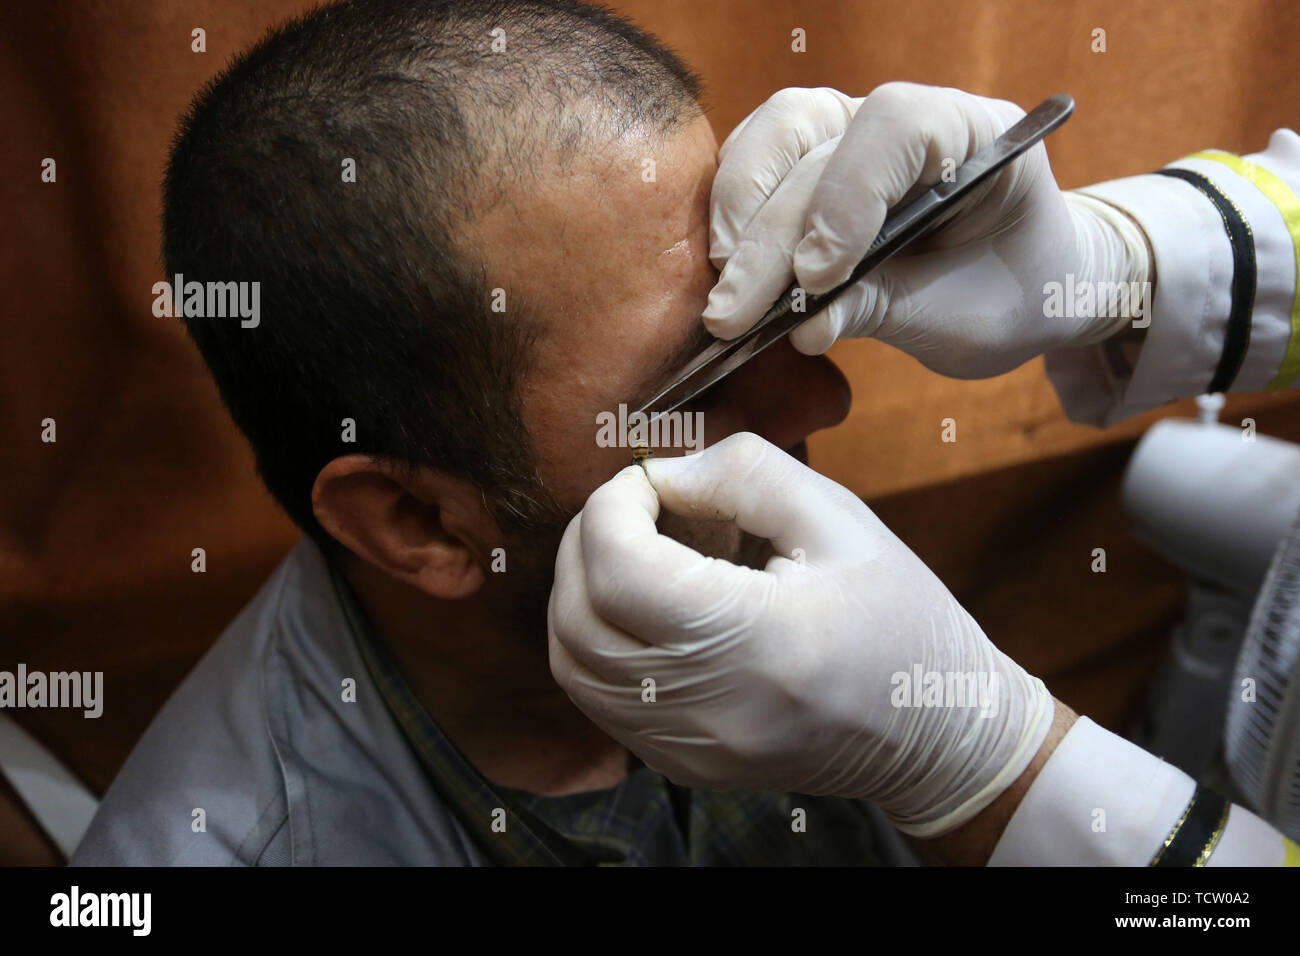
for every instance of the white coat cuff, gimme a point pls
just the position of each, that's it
(1098, 801)
(1189, 311)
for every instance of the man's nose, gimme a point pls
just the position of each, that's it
(784, 395)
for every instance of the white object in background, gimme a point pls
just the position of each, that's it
(1262, 737)
(1208, 407)
(1213, 499)
(1221, 502)
(57, 799)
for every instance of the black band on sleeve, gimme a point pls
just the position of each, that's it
(1197, 833)
(1236, 339)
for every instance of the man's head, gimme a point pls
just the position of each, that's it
(475, 227)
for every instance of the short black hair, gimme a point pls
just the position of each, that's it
(370, 310)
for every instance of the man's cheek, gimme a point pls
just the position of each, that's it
(714, 539)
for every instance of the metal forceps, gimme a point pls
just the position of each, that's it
(901, 227)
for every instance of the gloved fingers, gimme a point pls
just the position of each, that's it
(758, 268)
(616, 707)
(762, 151)
(575, 678)
(644, 583)
(858, 311)
(902, 135)
(593, 648)
(750, 481)
(625, 713)
(603, 698)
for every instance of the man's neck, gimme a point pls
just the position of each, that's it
(489, 688)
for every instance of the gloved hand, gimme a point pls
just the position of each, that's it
(803, 186)
(797, 678)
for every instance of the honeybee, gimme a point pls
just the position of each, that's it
(640, 452)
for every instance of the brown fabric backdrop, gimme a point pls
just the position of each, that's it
(96, 529)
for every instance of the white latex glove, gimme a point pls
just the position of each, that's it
(784, 679)
(803, 186)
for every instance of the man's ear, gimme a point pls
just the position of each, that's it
(421, 526)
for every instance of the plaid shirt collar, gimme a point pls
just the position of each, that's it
(523, 840)
(644, 820)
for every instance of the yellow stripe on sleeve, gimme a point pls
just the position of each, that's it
(1288, 204)
(1292, 857)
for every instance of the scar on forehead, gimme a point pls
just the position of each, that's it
(680, 247)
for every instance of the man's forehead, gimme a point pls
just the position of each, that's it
(609, 216)
(612, 256)
(614, 261)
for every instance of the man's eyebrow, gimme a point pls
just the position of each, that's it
(696, 342)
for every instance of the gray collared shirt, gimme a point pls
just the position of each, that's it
(257, 758)
(282, 747)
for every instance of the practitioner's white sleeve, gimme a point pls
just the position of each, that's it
(1103, 801)
(1190, 223)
